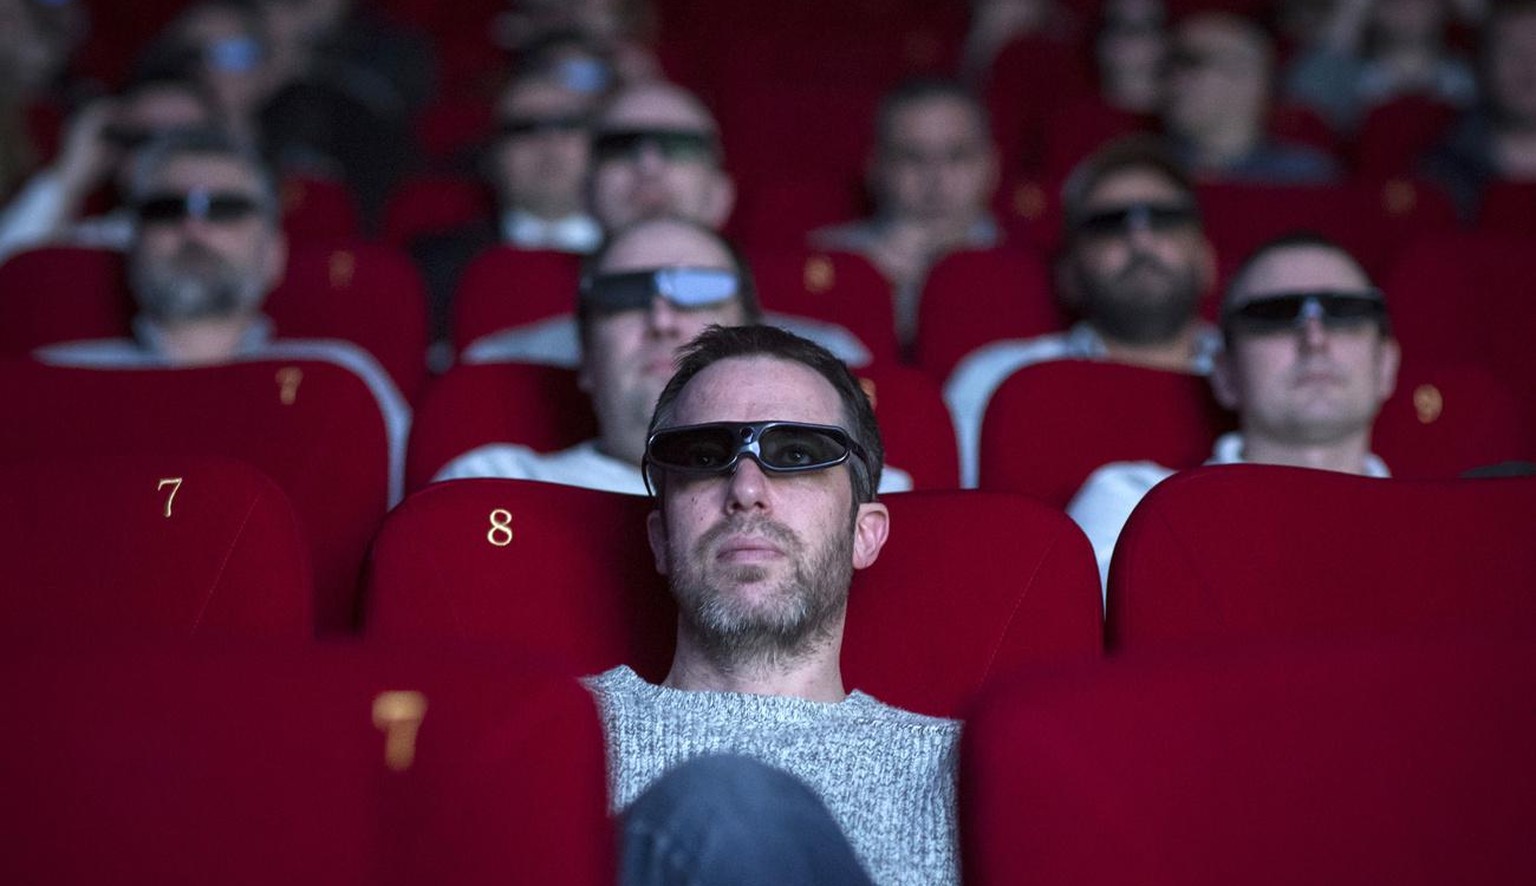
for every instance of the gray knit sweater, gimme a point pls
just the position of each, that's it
(887, 775)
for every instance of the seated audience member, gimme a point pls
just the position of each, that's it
(1135, 265)
(101, 142)
(225, 46)
(1130, 50)
(537, 166)
(1496, 141)
(652, 288)
(932, 172)
(1309, 360)
(996, 23)
(1221, 68)
(655, 154)
(1372, 51)
(207, 251)
(751, 762)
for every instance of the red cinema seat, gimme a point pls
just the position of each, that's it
(1508, 207)
(1406, 762)
(474, 404)
(506, 287)
(566, 573)
(431, 204)
(1465, 298)
(61, 293)
(1444, 420)
(834, 287)
(231, 763)
(1393, 136)
(779, 212)
(318, 210)
(1248, 550)
(978, 296)
(914, 424)
(1373, 220)
(366, 294)
(1077, 130)
(1052, 424)
(184, 544)
(314, 427)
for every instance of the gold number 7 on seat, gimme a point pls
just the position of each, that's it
(175, 484)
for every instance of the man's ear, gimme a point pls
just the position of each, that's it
(1388, 360)
(276, 263)
(870, 529)
(656, 533)
(1223, 384)
(1068, 294)
(722, 199)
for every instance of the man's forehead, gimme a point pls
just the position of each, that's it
(165, 108)
(664, 244)
(205, 170)
(1300, 268)
(657, 107)
(543, 97)
(759, 388)
(940, 116)
(1134, 184)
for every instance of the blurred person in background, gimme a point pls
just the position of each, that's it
(1220, 80)
(1371, 51)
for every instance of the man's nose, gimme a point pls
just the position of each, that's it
(748, 487)
(1312, 334)
(649, 158)
(662, 316)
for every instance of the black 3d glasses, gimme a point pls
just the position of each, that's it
(1138, 216)
(685, 288)
(210, 206)
(1285, 311)
(676, 145)
(778, 447)
(516, 127)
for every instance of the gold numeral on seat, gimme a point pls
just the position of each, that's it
(288, 380)
(175, 484)
(399, 715)
(500, 533)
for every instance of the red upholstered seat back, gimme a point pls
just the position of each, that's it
(1446, 419)
(367, 294)
(318, 210)
(1508, 207)
(567, 574)
(428, 204)
(505, 287)
(313, 427)
(61, 293)
(183, 543)
(206, 763)
(835, 287)
(914, 424)
(1405, 762)
(1052, 424)
(978, 296)
(474, 404)
(1239, 550)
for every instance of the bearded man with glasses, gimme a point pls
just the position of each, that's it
(1309, 360)
(751, 762)
(1135, 266)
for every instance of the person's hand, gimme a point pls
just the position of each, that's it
(88, 156)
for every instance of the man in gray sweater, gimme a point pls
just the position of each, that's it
(763, 457)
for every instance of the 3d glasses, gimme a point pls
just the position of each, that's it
(1285, 311)
(204, 205)
(675, 145)
(515, 127)
(1138, 216)
(685, 288)
(234, 54)
(778, 447)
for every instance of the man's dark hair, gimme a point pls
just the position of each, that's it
(725, 342)
(1141, 152)
(922, 89)
(751, 308)
(1291, 240)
